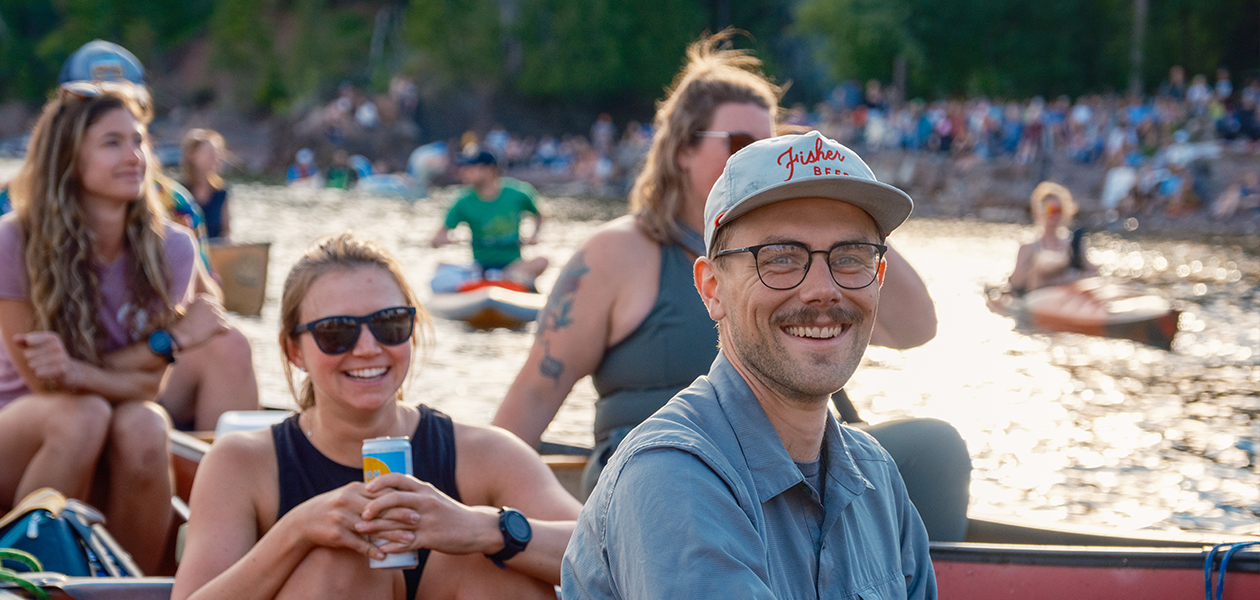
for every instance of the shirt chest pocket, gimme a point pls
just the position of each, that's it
(893, 588)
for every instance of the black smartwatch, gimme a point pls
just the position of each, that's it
(163, 344)
(516, 535)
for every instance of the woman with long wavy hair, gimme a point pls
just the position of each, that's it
(96, 302)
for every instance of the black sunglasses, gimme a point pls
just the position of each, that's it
(338, 335)
(737, 141)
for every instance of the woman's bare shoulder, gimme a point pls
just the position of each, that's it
(487, 441)
(619, 239)
(243, 452)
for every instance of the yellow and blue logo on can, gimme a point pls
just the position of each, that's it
(382, 456)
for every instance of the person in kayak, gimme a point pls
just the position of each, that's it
(744, 480)
(96, 303)
(625, 310)
(492, 206)
(283, 512)
(196, 393)
(1056, 256)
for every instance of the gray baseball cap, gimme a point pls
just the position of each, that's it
(800, 166)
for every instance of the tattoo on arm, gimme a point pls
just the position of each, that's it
(558, 313)
(550, 367)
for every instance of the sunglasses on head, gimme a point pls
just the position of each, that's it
(737, 141)
(338, 335)
(91, 89)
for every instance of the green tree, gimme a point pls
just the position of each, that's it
(974, 46)
(603, 48)
(38, 35)
(24, 75)
(461, 40)
(1202, 35)
(285, 54)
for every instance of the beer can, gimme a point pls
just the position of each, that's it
(381, 456)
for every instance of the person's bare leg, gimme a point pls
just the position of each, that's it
(336, 573)
(210, 380)
(140, 481)
(50, 440)
(526, 271)
(473, 576)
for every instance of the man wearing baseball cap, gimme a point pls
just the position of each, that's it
(492, 206)
(744, 484)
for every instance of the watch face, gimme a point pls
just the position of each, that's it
(160, 341)
(517, 526)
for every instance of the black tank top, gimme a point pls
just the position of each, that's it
(306, 473)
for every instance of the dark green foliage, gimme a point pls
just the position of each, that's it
(1025, 47)
(280, 54)
(38, 35)
(461, 40)
(602, 48)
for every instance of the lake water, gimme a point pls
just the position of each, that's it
(1060, 427)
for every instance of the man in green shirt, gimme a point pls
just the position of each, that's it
(492, 207)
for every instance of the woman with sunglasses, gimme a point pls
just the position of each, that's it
(1056, 256)
(96, 302)
(284, 513)
(625, 309)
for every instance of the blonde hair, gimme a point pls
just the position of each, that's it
(1046, 189)
(712, 77)
(341, 252)
(192, 142)
(65, 289)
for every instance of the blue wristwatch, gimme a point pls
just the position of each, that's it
(516, 535)
(163, 344)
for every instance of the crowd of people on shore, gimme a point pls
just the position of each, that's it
(1158, 147)
(1156, 142)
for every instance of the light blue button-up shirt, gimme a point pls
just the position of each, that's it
(703, 501)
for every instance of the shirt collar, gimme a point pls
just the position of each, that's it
(772, 467)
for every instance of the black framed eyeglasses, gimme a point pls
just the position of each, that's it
(737, 141)
(338, 335)
(783, 265)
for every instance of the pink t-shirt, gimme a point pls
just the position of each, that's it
(116, 309)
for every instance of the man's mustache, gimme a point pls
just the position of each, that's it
(808, 316)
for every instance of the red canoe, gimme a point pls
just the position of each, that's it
(1093, 307)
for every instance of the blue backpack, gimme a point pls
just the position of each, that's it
(64, 536)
